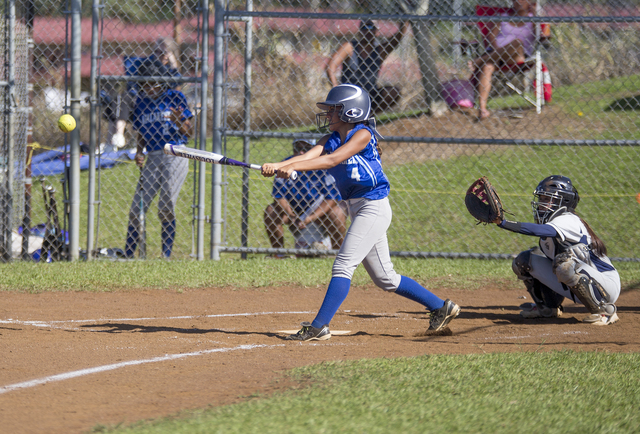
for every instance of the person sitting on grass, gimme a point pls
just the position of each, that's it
(310, 206)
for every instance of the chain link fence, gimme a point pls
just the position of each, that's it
(580, 120)
(14, 82)
(113, 39)
(270, 62)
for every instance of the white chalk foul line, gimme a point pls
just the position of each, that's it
(97, 369)
(50, 323)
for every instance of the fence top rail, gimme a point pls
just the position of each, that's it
(444, 140)
(160, 79)
(243, 15)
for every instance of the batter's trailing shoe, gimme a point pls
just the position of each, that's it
(440, 318)
(541, 312)
(310, 333)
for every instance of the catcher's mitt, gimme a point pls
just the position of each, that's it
(483, 201)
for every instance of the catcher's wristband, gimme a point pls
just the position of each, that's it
(510, 226)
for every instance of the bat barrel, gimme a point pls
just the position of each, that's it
(209, 157)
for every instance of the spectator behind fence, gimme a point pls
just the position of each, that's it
(161, 115)
(309, 206)
(507, 43)
(118, 107)
(361, 61)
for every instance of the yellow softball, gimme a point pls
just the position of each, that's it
(66, 123)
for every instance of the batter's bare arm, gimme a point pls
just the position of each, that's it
(270, 169)
(355, 144)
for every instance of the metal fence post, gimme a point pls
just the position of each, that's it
(93, 134)
(202, 174)
(9, 108)
(246, 140)
(216, 178)
(74, 166)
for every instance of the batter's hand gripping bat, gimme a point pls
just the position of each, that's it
(210, 157)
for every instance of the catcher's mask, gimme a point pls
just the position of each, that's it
(351, 102)
(553, 196)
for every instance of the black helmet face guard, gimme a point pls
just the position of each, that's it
(323, 119)
(544, 205)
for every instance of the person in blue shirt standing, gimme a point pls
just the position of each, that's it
(161, 115)
(310, 205)
(350, 154)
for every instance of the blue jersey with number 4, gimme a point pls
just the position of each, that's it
(361, 175)
(152, 119)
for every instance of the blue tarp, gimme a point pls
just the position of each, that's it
(53, 162)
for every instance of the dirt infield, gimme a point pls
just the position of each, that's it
(71, 361)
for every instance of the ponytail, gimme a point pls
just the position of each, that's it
(371, 123)
(597, 245)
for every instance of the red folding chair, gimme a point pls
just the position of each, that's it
(541, 81)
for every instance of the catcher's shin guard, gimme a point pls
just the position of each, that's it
(521, 264)
(585, 291)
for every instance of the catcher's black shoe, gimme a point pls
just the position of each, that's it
(440, 318)
(310, 333)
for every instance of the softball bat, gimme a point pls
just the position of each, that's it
(210, 157)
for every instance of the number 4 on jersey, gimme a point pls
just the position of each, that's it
(355, 174)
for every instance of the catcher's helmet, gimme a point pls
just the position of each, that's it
(553, 195)
(354, 103)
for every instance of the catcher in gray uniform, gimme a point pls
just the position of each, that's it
(571, 260)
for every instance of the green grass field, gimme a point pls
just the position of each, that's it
(493, 393)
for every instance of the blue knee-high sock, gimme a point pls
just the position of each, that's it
(132, 241)
(412, 290)
(168, 235)
(336, 293)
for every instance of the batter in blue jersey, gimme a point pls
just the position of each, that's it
(350, 154)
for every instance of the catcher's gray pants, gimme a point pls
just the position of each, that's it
(161, 173)
(366, 243)
(541, 269)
